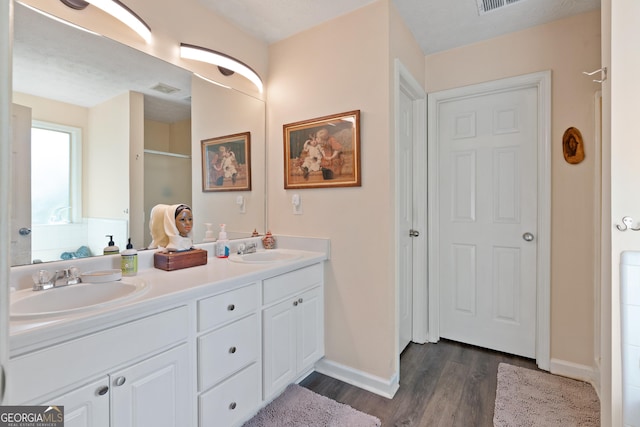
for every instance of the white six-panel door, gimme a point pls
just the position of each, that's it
(487, 209)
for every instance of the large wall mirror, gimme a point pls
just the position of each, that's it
(103, 132)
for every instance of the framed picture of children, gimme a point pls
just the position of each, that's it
(226, 163)
(323, 152)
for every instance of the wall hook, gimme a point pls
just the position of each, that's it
(627, 223)
(603, 74)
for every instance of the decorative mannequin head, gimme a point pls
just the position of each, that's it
(184, 220)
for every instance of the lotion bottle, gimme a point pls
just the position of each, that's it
(208, 235)
(222, 245)
(111, 248)
(129, 260)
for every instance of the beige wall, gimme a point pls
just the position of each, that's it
(403, 45)
(168, 137)
(107, 176)
(180, 137)
(339, 66)
(157, 135)
(567, 48)
(218, 112)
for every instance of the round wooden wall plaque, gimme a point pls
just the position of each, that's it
(573, 146)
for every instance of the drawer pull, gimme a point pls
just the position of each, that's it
(232, 350)
(232, 405)
(120, 381)
(103, 390)
(231, 307)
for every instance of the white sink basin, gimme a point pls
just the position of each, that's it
(265, 257)
(28, 304)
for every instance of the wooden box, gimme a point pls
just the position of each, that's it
(169, 261)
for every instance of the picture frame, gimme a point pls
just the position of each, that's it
(323, 152)
(226, 163)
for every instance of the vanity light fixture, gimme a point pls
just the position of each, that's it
(197, 53)
(119, 11)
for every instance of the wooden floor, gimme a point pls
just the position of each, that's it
(445, 384)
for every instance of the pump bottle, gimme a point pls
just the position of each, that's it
(129, 260)
(222, 245)
(111, 248)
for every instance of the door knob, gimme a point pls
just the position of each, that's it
(24, 231)
(527, 237)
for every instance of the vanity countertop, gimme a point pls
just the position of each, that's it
(167, 289)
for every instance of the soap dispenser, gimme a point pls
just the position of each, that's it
(222, 245)
(208, 235)
(129, 260)
(111, 247)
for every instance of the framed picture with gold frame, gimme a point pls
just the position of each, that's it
(226, 163)
(323, 152)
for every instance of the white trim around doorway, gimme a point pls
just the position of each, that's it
(542, 82)
(404, 81)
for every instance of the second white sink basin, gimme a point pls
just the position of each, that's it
(28, 304)
(265, 257)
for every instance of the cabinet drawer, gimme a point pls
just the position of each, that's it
(281, 286)
(227, 350)
(231, 305)
(232, 401)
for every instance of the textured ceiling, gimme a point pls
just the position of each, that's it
(436, 24)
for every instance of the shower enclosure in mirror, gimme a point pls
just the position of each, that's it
(132, 121)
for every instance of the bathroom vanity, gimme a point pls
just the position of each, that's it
(206, 345)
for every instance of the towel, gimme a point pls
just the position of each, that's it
(164, 233)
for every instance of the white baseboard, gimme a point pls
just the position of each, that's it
(380, 386)
(576, 371)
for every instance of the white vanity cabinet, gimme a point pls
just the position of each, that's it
(293, 326)
(153, 392)
(229, 356)
(210, 358)
(85, 406)
(136, 374)
(149, 393)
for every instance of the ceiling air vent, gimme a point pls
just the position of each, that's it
(165, 88)
(485, 6)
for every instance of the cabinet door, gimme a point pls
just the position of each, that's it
(155, 392)
(310, 333)
(87, 406)
(279, 358)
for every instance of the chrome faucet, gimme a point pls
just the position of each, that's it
(247, 248)
(43, 280)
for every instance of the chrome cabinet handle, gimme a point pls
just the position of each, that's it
(232, 405)
(231, 307)
(414, 233)
(24, 231)
(103, 390)
(295, 303)
(300, 300)
(527, 237)
(232, 350)
(120, 381)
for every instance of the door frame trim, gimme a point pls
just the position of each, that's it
(404, 81)
(541, 81)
